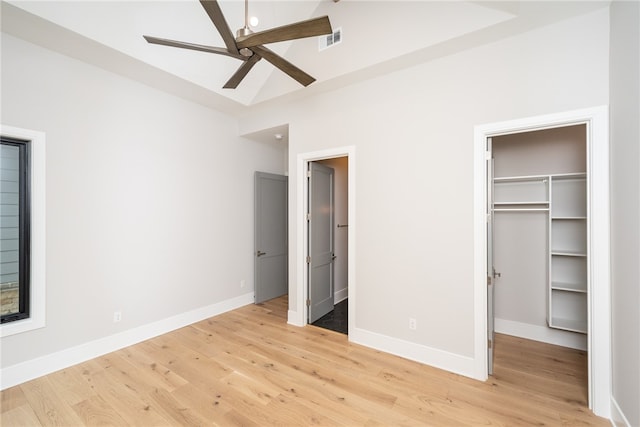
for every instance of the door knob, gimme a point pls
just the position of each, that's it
(260, 253)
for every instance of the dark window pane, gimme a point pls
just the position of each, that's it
(14, 230)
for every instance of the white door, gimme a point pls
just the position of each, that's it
(491, 272)
(270, 236)
(321, 241)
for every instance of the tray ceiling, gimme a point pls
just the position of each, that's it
(378, 37)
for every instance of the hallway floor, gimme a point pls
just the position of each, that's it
(336, 320)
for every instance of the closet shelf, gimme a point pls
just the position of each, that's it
(569, 218)
(569, 287)
(544, 202)
(568, 273)
(521, 210)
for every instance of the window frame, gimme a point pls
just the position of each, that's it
(24, 227)
(37, 237)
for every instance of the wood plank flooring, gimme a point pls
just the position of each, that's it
(249, 368)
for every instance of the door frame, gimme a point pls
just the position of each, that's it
(599, 334)
(300, 315)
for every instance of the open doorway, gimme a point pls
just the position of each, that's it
(335, 315)
(540, 253)
(540, 221)
(299, 294)
(598, 285)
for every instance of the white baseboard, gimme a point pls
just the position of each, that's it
(34, 368)
(451, 362)
(295, 318)
(541, 333)
(341, 295)
(617, 416)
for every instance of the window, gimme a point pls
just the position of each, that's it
(22, 230)
(15, 219)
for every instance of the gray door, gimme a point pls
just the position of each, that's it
(270, 236)
(321, 241)
(490, 268)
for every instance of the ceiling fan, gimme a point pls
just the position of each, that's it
(249, 47)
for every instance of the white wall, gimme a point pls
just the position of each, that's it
(625, 209)
(413, 135)
(149, 199)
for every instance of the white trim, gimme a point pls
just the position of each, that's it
(34, 368)
(541, 333)
(293, 318)
(420, 353)
(37, 315)
(299, 316)
(617, 416)
(341, 295)
(599, 338)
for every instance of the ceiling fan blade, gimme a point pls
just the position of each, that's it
(192, 46)
(240, 74)
(215, 13)
(298, 30)
(296, 73)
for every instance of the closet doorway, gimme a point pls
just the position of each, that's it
(540, 222)
(588, 242)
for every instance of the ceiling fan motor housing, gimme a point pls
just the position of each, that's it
(244, 31)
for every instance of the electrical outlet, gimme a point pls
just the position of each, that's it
(242, 283)
(117, 316)
(413, 324)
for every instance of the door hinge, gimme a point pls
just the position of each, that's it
(488, 280)
(308, 217)
(308, 260)
(308, 303)
(489, 344)
(308, 174)
(487, 155)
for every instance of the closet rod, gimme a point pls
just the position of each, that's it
(522, 210)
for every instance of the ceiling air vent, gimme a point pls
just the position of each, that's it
(330, 39)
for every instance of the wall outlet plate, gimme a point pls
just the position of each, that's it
(413, 324)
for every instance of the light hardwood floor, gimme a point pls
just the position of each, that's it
(248, 367)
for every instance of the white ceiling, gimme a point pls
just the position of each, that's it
(378, 37)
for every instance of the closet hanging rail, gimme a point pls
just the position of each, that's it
(521, 210)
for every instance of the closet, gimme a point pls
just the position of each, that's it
(540, 235)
